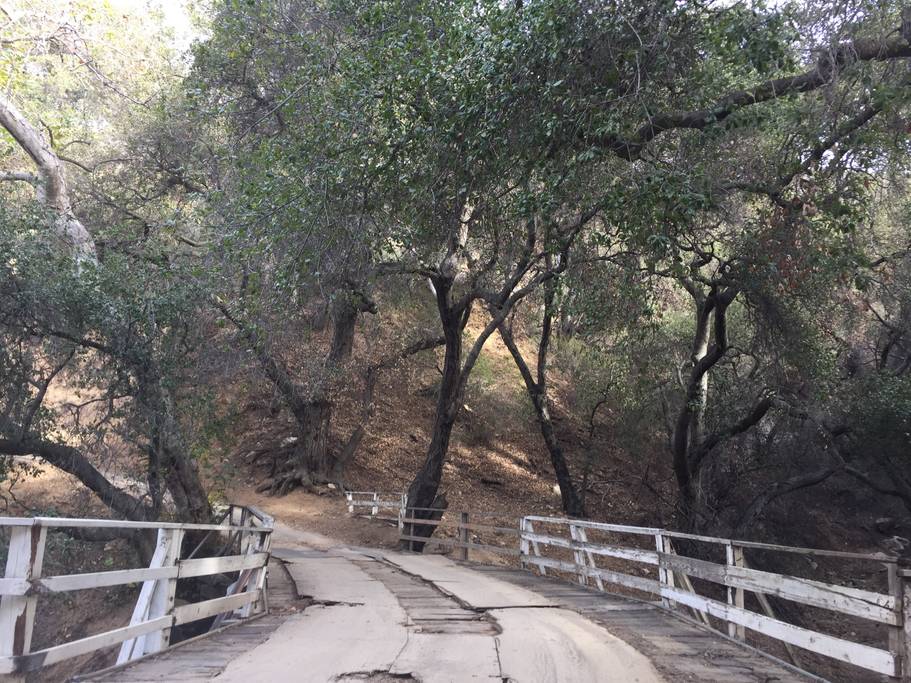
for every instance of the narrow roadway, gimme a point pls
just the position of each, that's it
(356, 614)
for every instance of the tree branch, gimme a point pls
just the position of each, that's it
(368, 406)
(825, 71)
(779, 489)
(54, 192)
(20, 176)
(747, 422)
(73, 461)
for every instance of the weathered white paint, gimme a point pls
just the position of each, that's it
(206, 566)
(865, 656)
(154, 613)
(162, 600)
(209, 608)
(14, 586)
(134, 647)
(737, 578)
(17, 612)
(42, 658)
(374, 501)
(75, 582)
(76, 522)
(627, 580)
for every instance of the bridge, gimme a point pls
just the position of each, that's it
(566, 604)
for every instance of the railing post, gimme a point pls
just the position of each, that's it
(523, 544)
(409, 528)
(667, 547)
(578, 556)
(583, 536)
(375, 510)
(584, 557)
(17, 612)
(259, 543)
(463, 534)
(903, 604)
(665, 576)
(897, 632)
(734, 558)
(161, 602)
(537, 549)
(403, 512)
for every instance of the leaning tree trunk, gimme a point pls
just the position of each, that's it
(572, 503)
(423, 501)
(690, 443)
(52, 188)
(368, 406)
(687, 437)
(422, 493)
(537, 392)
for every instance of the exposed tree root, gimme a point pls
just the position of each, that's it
(283, 482)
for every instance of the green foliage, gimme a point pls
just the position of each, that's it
(314, 148)
(879, 410)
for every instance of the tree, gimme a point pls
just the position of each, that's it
(488, 138)
(536, 385)
(50, 182)
(111, 324)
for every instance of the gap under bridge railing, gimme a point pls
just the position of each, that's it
(237, 547)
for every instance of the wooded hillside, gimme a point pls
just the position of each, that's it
(667, 243)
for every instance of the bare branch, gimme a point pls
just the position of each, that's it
(20, 176)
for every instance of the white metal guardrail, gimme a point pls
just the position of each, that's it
(563, 546)
(245, 532)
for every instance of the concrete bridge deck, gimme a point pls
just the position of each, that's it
(354, 614)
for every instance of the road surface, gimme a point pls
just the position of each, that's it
(356, 614)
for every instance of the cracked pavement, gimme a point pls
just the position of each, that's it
(357, 614)
(386, 616)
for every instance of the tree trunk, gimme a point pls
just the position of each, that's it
(572, 503)
(52, 190)
(312, 410)
(422, 493)
(688, 442)
(345, 311)
(313, 461)
(423, 490)
(537, 392)
(313, 449)
(178, 468)
(700, 390)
